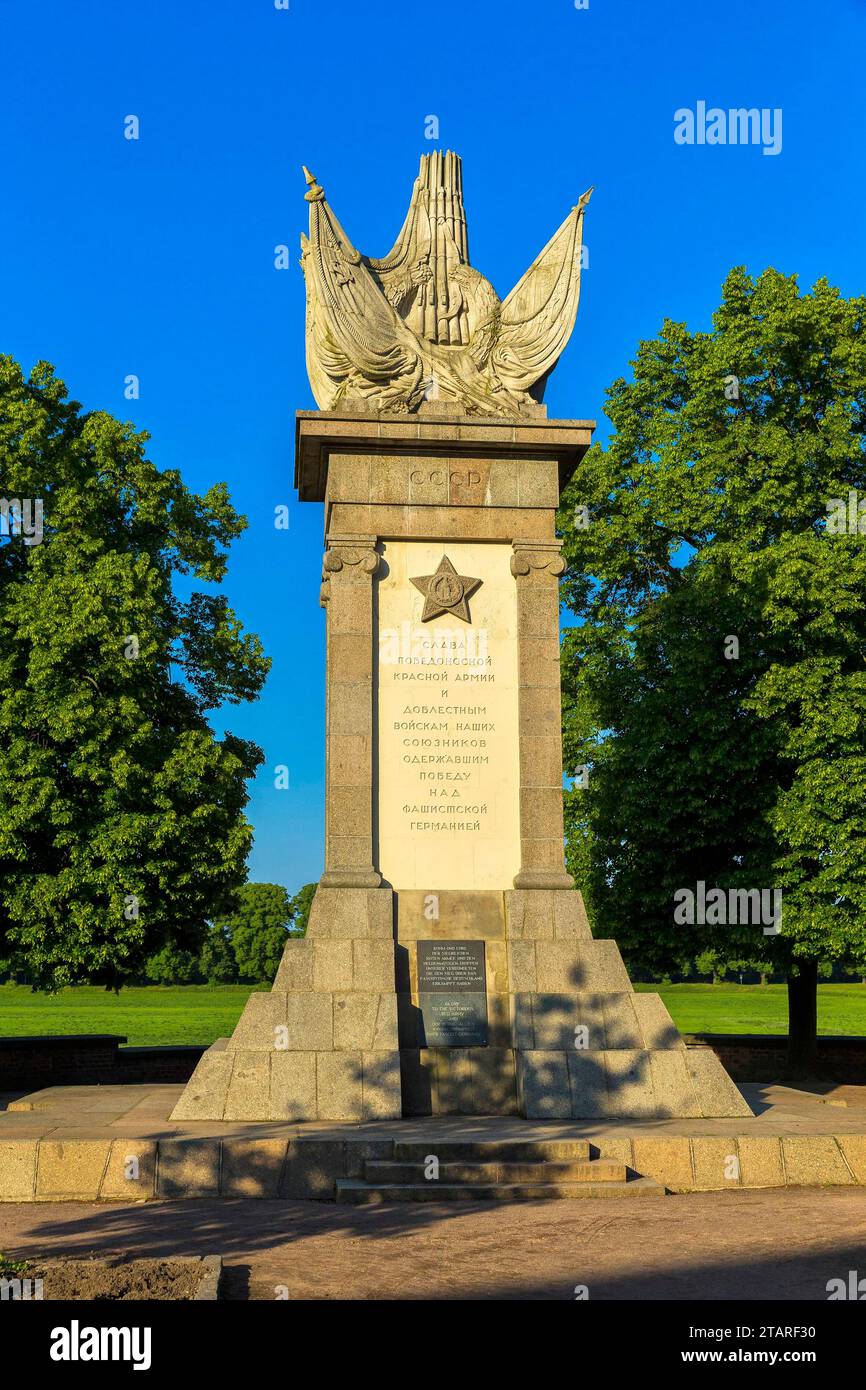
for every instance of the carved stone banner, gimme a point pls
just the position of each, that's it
(422, 324)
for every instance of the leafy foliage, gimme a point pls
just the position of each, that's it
(260, 925)
(169, 966)
(217, 962)
(708, 516)
(122, 826)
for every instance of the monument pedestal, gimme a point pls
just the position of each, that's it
(448, 967)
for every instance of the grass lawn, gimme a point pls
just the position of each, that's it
(161, 1015)
(731, 1008)
(155, 1016)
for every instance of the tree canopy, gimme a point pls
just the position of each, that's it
(714, 681)
(260, 925)
(122, 825)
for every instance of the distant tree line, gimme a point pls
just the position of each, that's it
(243, 947)
(715, 967)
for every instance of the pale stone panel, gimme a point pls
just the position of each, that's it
(312, 1167)
(293, 1086)
(588, 1012)
(588, 1082)
(544, 1085)
(257, 1028)
(629, 1084)
(366, 1021)
(373, 965)
(461, 678)
(17, 1171)
(453, 1069)
(761, 1161)
(464, 523)
(813, 1160)
(657, 1026)
(332, 965)
(189, 1168)
(853, 1148)
(522, 1032)
(717, 1092)
(522, 972)
(621, 1028)
(381, 1085)
(339, 1086)
(309, 1022)
(668, 1160)
(713, 1159)
(250, 1086)
(116, 1185)
(672, 1084)
(252, 1167)
(554, 1020)
(204, 1095)
(71, 1168)
(494, 1081)
(295, 971)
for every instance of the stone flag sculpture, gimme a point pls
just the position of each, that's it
(422, 323)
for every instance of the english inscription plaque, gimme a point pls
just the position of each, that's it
(452, 993)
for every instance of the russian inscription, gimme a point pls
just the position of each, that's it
(448, 775)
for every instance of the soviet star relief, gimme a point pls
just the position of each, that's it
(446, 592)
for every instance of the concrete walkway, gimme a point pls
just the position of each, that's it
(706, 1246)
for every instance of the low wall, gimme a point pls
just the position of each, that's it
(764, 1056)
(91, 1170)
(89, 1059)
(93, 1059)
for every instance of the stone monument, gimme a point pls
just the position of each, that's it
(448, 968)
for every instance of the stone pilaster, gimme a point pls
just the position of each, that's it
(350, 564)
(536, 566)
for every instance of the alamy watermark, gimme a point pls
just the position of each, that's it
(729, 907)
(846, 516)
(21, 516)
(18, 1290)
(737, 126)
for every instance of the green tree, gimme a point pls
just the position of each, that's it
(122, 826)
(300, 908)
(258, 928)
(217, 961)
(708, 963)
(170, 966)
(715, 681)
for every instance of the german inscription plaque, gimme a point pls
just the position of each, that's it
(452, 993)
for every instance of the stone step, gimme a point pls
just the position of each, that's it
(355, 1191)
(492, 1151)
(594, 1170)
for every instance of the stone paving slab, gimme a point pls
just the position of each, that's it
(109, 1143)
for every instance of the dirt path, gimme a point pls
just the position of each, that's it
(755, 1245)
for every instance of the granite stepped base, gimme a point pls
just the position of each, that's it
(493, 1172)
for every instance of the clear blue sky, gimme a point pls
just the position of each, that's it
(156, 257)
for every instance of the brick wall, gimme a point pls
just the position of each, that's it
(89, 1059)
(764, 1057)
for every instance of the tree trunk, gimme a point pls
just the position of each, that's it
(803, 1019)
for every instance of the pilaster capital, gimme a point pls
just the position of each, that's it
(352, 551)
(539, 557)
